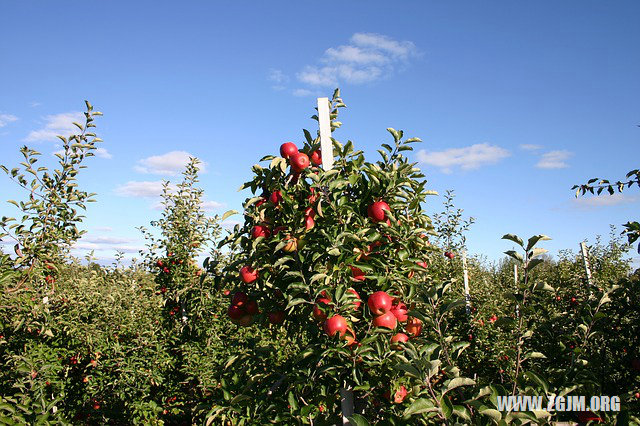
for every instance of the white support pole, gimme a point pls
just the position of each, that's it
(467, 296)
(346, 402)
(324, 121)
(585, 259)
(515, 281)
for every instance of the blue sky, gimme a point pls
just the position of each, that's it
(515, 101)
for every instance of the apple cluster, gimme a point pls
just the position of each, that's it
(387, 311)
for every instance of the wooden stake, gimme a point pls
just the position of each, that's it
(585, 259)
(324, 121)
(467, 296)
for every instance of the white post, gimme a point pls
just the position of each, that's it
(326, 147)
(467, 296)
(585, 258)
(346, 402)
(515, 281)
(324, 121)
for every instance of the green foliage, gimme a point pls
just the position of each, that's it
(153, 343)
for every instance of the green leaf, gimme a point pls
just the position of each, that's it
(515, 255)
(459, 381)
(534, 240)
(513, 238)
(490, 412)
(539, 380)
(420, 406)
(358, 420)
(446, 406)
(227, 214)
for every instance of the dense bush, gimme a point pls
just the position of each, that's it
(247, 337)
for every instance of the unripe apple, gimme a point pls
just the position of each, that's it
(413, 327)
(380, 303)
(248, 274)
(260, 231)
(376, 211)
(299, 162)
(316, 157)
(335, 325)
(275, 197)
(398, 338)
(317, 312)
(387, 320)
(288, 149)
(291, 246)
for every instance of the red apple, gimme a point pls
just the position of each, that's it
(399, 310)
(423, 264)
(235, 312)
(493, 318)
(260, 231)
(335, 325)
(317, 312)
(449, 254)
(275, 197)
(316, 157)
(376, 211)
(288, 149)
(357, 303)
(350, 337)
(398, 338)
(277, 229)
(310, 212)
(244, 321)
(380, 303)
(299, 162)
(413, 327)
(252, 307)
(239, 299)
(387, 320)
(276, 317)
(309, 223)
(248, 274)
(400, 395)
(357, 273)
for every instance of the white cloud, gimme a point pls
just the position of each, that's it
(108, 243)
(397, 49)
(554, 160)
(467, 158)
(103, 228)
(140, 189)
(57, 124)
(6, 119)
(170, 163)
(230, 224)
(209, 205)
(35, 104)
(302, 92)
(368, 57)
(279, 79)
(103, 153)
(530, 147)
(603, 200)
